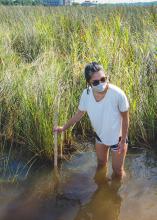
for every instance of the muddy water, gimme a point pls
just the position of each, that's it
(77, 191)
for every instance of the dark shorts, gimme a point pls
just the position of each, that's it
(113, 147)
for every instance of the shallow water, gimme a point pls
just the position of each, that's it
(79, 192)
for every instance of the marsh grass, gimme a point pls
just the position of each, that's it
(12, 168)
(43, 50)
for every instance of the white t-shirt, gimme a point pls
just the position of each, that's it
(105, 115)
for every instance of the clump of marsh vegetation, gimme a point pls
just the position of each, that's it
(43, 52)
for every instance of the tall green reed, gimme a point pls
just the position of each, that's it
(45, 49)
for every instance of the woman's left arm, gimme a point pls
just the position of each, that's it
(125, 128)
(125, 125)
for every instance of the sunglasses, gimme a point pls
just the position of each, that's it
(96, 82)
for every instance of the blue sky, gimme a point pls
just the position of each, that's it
(116, 1)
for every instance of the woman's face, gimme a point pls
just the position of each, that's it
(97, 76)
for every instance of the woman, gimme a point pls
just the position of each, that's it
(108, 109)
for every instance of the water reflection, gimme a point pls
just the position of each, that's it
(105, 202)
(80, 191)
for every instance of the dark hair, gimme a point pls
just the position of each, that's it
(89, 70)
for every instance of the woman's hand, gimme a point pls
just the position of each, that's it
(58, 129)
(122, 147)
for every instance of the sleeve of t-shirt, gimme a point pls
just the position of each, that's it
(123, 102)
(82, 102)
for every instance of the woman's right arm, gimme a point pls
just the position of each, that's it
(76, 117)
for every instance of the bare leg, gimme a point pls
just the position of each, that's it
(118, 163)
(102, 152)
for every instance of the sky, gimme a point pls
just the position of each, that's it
(116, 1)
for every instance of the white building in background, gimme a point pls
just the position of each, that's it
(67, 2)
(89, 3)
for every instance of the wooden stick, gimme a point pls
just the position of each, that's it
(56, 109)
(55, 141)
